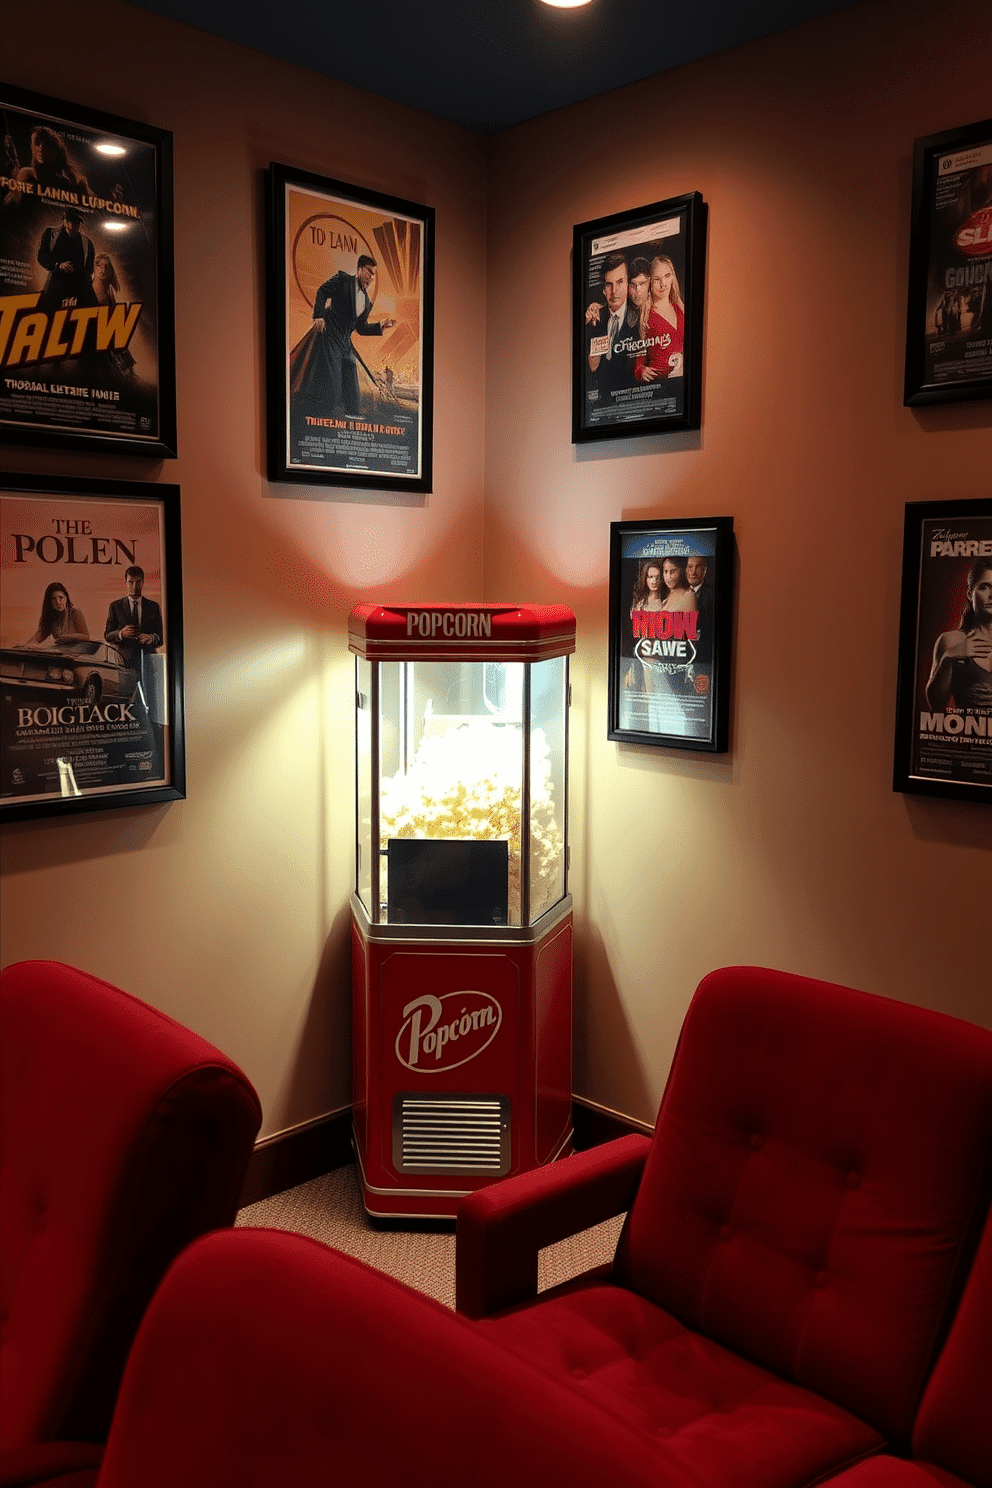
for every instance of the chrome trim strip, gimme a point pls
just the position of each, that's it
(375, 878)
(460, 935)
(565, 1141)
(358, 814)
(402, 1214)
(410, 1193)
(566, 844)
(381, 650)
(524, 835)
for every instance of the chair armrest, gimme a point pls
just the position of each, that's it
(267, 1359)
(43, 1462)
(501, 1228)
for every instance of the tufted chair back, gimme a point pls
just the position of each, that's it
(122, 1137)
(816, 1182)
(954, 1427)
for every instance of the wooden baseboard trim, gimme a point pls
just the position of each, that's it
(296, 1156)
(595, 1124)
(305, 1152)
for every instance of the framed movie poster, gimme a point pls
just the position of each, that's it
(637, 320)
(671, 594)
(87, 336)
(944, 702)
(350, 335)
(91, 646)
(949, 323)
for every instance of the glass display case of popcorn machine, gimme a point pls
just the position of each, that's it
(461, 915)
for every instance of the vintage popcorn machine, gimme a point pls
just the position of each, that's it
(461, 916)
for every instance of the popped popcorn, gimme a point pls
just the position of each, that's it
(465, 784)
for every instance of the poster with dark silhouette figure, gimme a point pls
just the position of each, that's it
(944, 706)
(86, 318)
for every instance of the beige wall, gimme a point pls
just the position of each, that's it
(791, 850)
(230, 910)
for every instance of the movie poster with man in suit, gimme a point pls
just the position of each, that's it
(352, 280)
(86, 353)
(84, 646)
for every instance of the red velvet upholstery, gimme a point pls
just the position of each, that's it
(501, 1232)
(267, 1359)
(336, 1374)
(710, 1416)
(123, 1137)
(84, 1478)
(954, 1426)
(797, 1239)
(809, 1204)
(892, 1472)
(55, 1462)
(953, 1431)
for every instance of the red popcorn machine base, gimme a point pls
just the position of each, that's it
(463, 1064)
(461, 916)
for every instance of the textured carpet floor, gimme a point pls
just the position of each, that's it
(330, 1209)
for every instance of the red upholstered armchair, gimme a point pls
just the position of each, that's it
(123, 1136)
(799, 1230)
(336, 1374)
(267, 1359)
(952, 1438)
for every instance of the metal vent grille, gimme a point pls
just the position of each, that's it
(451, 1134)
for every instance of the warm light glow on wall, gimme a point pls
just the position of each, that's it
(231, 676)
(566, 4)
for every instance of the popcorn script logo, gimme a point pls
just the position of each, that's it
(433, 1037)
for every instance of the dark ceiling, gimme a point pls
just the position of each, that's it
(488, 64)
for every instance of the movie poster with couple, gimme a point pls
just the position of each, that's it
(637, 320)
(86, 314)
(90, 646)
(944, 723)
(351, 335)
(670, 605)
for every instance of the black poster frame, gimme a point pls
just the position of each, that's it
(395, 425)
(671, 667)
(943, 737)
(949, 314)
(69, 376)
(648, 384)
(110, 707)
